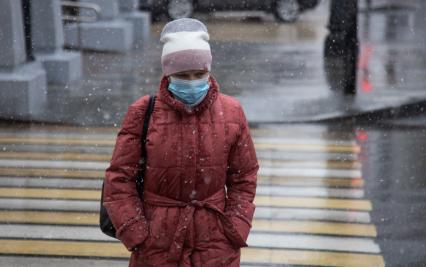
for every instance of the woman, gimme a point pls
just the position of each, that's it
(200, 178)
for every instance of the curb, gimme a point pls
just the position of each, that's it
(404, 110)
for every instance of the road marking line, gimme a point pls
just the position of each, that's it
(291, 131)
(323, 164)
(310, 181)
(78, 194)
(75, 156)
(37, 182)
(63, 232)
(311, 242)
(308, 192)
(306, 141)
(44, 261)
(69, 135)
(44, 172)
(89, 165)
(281, 226)
(48, 217)
(312, 227)
(65, 183)
(101, 165)
(63, 248)
(93, 165)
(55, 156)
(256, 239)
(112, 138)
(23, 127)
(311, 258)
(260, 213)
(248, 255)
(102, 142)
(301, 156)
(49, 205)
(321, 203)
(265, 171)
(354, 149)
(55, 141)
(91, 174)
(273, 201)
(290, 184)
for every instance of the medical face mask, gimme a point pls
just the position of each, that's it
(190, 92)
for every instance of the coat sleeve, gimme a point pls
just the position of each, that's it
(121, 199)
(241, 182)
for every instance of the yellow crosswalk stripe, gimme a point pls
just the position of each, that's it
(248, 255)
(310, 181)
(332, 164)
(28, 140)
(55, 156)
(313, 202)
(279, 226)
(273, 201)
(34, 128)
(50, 193)
(94, 174)
(63, 248)
(329, 164)
(316, 258)
(292, 132)
(312, 227)
(48, 172)
(355, 149)
(87, 131)
(42, 217)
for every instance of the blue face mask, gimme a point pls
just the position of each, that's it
(190, 92)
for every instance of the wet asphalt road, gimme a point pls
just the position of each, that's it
(314, 168)
(277, 71)
(394, 167)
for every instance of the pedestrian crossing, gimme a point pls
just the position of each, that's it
(311, 208)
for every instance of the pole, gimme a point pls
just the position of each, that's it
(342, 41)
(26, 12)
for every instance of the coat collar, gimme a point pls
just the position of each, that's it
(166, 96)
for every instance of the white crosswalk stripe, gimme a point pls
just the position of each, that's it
(91, 233)
(35, 182)
(265, 171)
(309, 191)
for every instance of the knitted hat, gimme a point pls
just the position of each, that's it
(185, 47)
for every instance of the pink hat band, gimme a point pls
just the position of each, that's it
(186, 60)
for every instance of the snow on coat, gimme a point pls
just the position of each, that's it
(199, 184)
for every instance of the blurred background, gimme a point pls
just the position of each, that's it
(334, 92)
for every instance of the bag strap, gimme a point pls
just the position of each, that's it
(142, 161)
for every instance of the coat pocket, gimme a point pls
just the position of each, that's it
(162, 228)
(236, 230)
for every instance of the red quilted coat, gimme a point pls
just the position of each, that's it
(199, 185)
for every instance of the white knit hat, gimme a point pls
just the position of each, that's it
(185, 47)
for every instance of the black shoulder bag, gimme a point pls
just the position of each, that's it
(104, 220)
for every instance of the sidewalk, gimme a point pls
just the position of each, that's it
(276, 71)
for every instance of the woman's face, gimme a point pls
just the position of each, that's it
(191, 75)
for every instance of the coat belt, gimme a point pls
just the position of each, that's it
(187, 215)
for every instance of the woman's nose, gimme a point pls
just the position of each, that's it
(192, 77)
